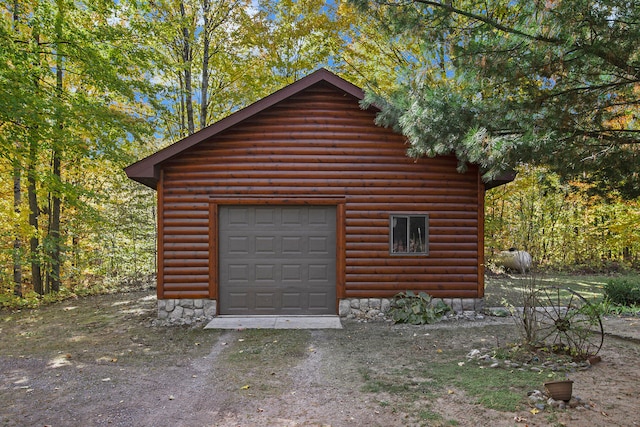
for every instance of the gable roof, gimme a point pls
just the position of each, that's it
(147, 171)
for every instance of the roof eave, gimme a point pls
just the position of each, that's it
(502, 179)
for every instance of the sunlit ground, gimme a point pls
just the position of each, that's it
(510, 288)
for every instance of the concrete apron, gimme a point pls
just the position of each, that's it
(275, 322)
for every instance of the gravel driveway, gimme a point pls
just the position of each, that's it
(100, 361)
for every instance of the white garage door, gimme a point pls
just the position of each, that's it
(277, 260)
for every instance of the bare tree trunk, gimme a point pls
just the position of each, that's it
(183, 125)
(53, 276)
(206, 40)
(17, 244)
(54, 229)
(187, 57)
(34, 209)
(34, 213)
(17, 198)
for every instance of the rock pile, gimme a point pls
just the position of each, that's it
(535, 364)
(541, 401)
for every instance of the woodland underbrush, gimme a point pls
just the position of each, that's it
(89, 285)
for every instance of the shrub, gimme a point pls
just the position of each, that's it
(416, 309)
(623, 291)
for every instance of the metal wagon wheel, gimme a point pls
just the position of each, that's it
(568, 324)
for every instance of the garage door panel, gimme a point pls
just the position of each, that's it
(237, 273)
(265, 273)
(265, 245)
(238, 217)
(292, 301)
(276, 257)
(239, 245)
(317, 300)
(292, 272)
(319, 245)
(292, 217)
(318, 272)
(265, 217)
(320, 217)
(292, 245)
(238, 300)
(265, 300)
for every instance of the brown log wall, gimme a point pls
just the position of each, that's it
(320, 143)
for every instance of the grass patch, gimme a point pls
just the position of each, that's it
(93, 330)
(510, 287)
(499, 389)
(427, 415)
(259, 361)
(271, 346)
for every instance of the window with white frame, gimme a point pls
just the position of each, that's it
(409, 234)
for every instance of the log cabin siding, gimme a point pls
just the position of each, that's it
(319, 143)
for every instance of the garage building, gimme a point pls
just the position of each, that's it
(300, 205)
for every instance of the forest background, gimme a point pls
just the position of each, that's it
(88, 87)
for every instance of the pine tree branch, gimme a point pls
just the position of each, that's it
(584, 89)
(492, 22)
(591, 49)
(612, 59)
(611, 136)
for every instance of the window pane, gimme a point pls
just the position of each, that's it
(417, 234)
(399, 234)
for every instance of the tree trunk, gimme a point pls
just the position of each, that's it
(34, 209)
(17, 244)
(204, 103)
(17, 198)
(54, 229)
(187, 56)
(34, 213)
(183, 125)
(53, 276)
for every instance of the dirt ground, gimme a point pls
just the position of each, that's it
(100, 361)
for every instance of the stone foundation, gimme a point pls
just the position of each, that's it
(190, 311)
(186, 311)
(377, 308)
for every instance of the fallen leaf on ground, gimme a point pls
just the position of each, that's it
(245, 387)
